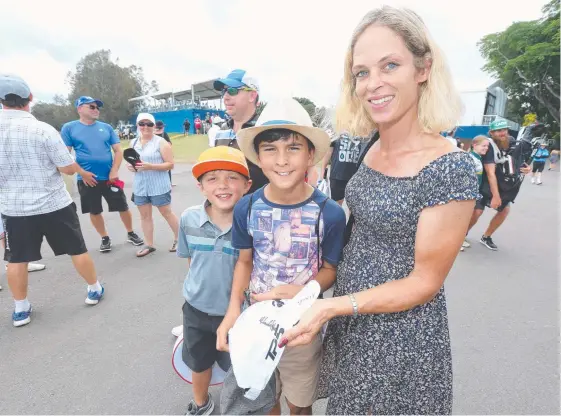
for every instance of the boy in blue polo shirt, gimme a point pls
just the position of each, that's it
(205, 239)
(288, 233)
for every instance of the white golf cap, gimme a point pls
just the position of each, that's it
(254, 338)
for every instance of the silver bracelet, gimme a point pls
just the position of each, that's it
(355, 305)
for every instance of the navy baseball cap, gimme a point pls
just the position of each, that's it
(84, 99)
(12, 84)
(236, 79)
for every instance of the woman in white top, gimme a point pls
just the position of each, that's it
(152, 185)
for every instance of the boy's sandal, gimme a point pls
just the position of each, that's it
(144, 251)
(173, 248)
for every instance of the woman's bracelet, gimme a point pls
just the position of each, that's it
(355, 304)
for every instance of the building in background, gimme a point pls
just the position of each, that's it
(201, 100)
(481, 107)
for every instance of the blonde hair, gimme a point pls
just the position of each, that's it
(478, 140)
(439, 102)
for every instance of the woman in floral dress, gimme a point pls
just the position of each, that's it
(387, 347)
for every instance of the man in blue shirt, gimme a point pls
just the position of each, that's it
(98, 175)
(539, 159)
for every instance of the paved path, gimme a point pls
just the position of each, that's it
(115, 358)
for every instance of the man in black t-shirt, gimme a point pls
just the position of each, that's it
(498, 130)
(343, 157)
(240, 93)
(186, 127)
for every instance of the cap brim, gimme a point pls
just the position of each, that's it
(201, 168)
(317, 136)
(229, 82)
(98, 102)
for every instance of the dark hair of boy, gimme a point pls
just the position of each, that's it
(274, 135)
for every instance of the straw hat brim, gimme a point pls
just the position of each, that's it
(317, 136)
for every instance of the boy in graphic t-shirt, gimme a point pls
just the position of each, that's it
(288, 233)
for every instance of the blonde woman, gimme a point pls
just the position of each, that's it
(387, 347)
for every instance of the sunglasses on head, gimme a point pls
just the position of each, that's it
(93, 107)
(234, 91)
(146, 123)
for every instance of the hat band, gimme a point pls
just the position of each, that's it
(271, 122)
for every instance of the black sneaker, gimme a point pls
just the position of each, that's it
(134, 239)
(488, 242)
(105, 244)
(205, 409)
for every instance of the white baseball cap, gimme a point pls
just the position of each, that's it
(254, 338)
(12, 84)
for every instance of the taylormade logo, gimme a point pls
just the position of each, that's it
(277, 332)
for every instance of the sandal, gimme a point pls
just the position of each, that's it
(173, 248)
(144, 251)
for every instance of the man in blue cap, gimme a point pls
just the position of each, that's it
(93, 142)
(33, 198)
(240, 92)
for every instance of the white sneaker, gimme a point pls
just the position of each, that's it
(462, 249)
(533, 180)
(539, 182)
(35, 267)
(0, 287)
(177, 331)
(465, 244)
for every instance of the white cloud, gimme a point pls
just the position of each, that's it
(293, 46)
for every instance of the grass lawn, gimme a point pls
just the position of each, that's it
(186, 149)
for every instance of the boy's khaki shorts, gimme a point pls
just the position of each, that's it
(298, 373)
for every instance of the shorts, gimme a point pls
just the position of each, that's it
(90, 198)
(337, 189)
(199, 340)
(156, 200)
(298, 373)
(484, 201)
(538, 167)
(24, 235)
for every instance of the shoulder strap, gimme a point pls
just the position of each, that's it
(321, 207)
(249, 210)
(351, 221)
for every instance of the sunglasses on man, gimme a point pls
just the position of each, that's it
(93, 107)
(234, 91)
(147, 124)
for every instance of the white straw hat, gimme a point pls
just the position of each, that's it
(284, 114)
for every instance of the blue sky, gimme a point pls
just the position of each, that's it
(294, 47)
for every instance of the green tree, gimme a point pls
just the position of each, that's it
(526, 58)
(56, 113)
(307, 104)
(98, 76)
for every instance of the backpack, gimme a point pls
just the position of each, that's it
(507, 168)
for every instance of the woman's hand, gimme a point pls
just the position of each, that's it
(131, 168)
(143, 166)
(309, 326)
(278, 292)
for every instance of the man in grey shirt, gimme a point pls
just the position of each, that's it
(34, 201)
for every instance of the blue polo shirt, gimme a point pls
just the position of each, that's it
(208, 283)
(92, 144)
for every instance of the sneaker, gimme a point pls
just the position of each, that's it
(134, 239)
(177, 331)
(0, 287)
(35, 267)
(466, 244)
(539, 182)
(533, 180)
(94, 296)
(462, 249)
(105, 244)
(205, 409)
(488, 242)
(22, 318)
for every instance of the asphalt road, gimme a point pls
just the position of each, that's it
(115, 358)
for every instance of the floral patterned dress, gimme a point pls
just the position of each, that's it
(392, 363)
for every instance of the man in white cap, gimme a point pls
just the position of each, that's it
(33, 198)
(95, 143)
(240, 92)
